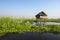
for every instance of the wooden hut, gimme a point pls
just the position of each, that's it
(41, 17)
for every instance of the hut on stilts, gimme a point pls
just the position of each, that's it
(41, 18)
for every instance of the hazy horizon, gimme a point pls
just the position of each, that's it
(29, 8)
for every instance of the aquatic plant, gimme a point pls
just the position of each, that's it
(8, 24)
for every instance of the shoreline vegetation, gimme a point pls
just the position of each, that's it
(8, 24)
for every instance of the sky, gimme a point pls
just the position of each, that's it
(29, 8)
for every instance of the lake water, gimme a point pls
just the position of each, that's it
(31, 36)
(52, 23)
(46, 23)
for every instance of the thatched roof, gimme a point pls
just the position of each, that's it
(42, 14)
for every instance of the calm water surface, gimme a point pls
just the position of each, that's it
(47, 23)
(30, 36)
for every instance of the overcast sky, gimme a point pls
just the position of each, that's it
(29, 8)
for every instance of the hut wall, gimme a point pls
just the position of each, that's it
(43, 17)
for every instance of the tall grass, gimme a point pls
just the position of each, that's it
(8, 24)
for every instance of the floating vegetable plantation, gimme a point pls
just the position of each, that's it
(22, 25)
